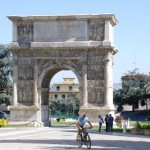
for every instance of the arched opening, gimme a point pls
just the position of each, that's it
(44, 89)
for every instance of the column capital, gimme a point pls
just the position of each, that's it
(108, 58)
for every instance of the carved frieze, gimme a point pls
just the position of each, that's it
(95, 72)
(43, 64)
(25, 95)
(25, 69)
(96, 83)
(96, 95)
(25, 32)
(74, 63)
(60, 53)
(96, 60)
(97, 52)
(25, 72)
(96, 30)
(25, 53)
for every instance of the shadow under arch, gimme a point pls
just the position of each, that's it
(43, 88)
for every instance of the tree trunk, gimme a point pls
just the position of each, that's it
(133, 107)
(146, 104)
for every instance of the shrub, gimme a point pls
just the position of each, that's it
(3, 123)
(138, 125)
(60, 117)
(146, 126)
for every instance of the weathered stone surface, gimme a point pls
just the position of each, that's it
(45, 45)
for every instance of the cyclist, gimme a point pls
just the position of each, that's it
(81, 122)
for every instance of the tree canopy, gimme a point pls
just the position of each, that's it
(5, 75)
(64, 107)
(135, 89)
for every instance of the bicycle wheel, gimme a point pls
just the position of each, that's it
(88, 141)
(79, 140)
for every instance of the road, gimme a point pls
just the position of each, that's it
(61, 138)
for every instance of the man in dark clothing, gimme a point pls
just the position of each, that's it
(107, 123)
(110, 122)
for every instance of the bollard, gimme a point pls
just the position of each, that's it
(124, 127)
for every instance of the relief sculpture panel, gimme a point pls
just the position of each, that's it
(96, 30)
(95, 72)
(25, 70)
(96, 83)
(25, 33)
(43, 64)
(74, 63)
(96, 96)
(25, 95)
(25, 73)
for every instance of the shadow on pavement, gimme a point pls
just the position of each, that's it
(96, 144)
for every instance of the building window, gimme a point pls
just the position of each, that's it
(58, 88)
(70, 88)
(63, 96)
(55, 96)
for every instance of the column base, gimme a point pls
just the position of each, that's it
(24, 114)
(93, 112)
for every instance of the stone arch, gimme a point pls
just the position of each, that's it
(43, 88)
(53, 70)
(44, 45)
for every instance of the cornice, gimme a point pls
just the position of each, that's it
(35, 18)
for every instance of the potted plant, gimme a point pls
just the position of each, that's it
(138, 129)
(146, 129)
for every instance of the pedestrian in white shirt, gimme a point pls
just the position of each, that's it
(100, 121)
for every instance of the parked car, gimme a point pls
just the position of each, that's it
(3, 115)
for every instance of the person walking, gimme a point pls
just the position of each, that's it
(100, 121)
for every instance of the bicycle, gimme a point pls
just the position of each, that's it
(83, 137)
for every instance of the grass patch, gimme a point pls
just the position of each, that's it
(114, 129)
(63, 123)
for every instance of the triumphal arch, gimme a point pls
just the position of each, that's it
(45, 45)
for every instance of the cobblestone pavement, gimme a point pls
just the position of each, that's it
(56, 138)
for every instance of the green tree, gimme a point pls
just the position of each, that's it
(5, 75)
(64, 107)
(134, 90)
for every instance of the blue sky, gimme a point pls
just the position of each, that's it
(132, 33)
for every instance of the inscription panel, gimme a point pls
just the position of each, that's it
(60, 31)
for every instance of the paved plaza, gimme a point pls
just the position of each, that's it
(56, 138)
